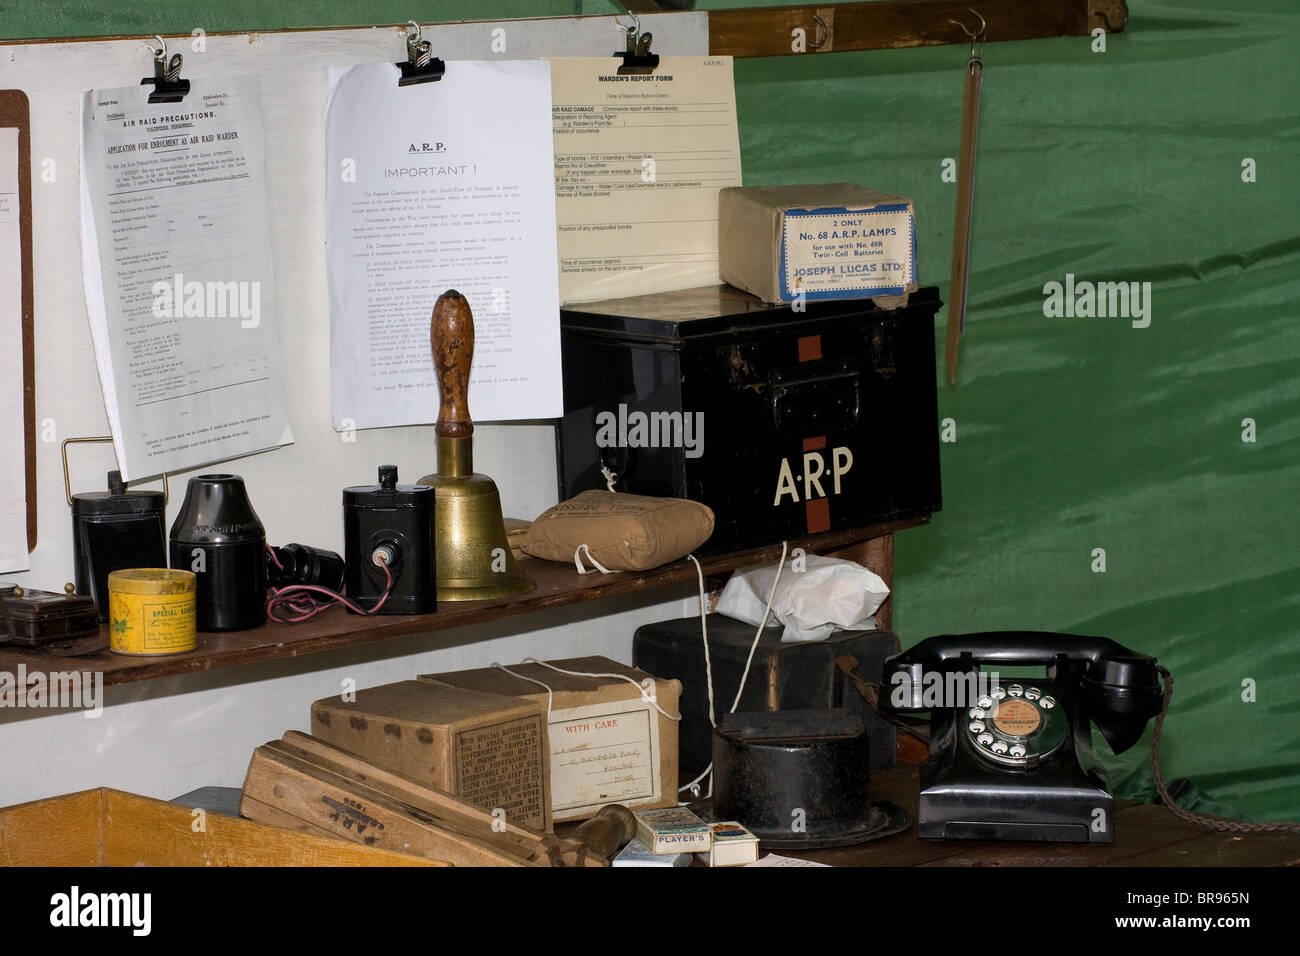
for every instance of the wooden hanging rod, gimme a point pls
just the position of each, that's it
(877, 25)
(894, 24)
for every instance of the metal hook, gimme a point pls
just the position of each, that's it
(418, 51)
(975, 35)
(164, 71)
(823, 36)
(635, 37)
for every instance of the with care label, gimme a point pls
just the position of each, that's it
(604, 753)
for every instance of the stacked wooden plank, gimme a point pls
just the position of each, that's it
(308, 785)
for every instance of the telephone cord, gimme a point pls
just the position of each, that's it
(1199, 819)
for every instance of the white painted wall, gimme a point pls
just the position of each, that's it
(164, 737)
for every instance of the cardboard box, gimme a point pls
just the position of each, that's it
(733, 845)
(596, 723)
(637, 853)
(825, 241)
(487, 749)
(673, 830)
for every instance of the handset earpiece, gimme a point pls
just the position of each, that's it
(1120, 692)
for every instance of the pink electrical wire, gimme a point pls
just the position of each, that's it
(302, 604)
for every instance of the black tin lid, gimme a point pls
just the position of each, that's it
(715, 309)
(118, 500)
(782, 726)
(388, 493)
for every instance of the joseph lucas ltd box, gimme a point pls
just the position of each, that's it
(824, 241)
(608, 742)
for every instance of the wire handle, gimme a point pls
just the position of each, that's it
(67, 486)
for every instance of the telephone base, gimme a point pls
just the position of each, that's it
(1035, 814)
(1022, 832)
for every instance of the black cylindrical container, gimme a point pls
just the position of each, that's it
(796, 778)
(302, 564)
(395, 521)
(219, 537)
(116, 530)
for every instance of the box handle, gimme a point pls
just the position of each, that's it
(816, 398)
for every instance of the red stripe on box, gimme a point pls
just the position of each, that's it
(818, 513)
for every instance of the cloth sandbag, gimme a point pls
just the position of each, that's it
(622, 532)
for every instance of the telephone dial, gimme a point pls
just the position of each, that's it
(1012, 759)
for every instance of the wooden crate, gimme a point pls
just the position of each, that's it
(107, 827)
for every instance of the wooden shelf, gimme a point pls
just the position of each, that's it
(558, 585)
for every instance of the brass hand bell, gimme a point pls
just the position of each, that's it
(474, 557)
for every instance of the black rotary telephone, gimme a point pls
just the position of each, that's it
(1012, 759)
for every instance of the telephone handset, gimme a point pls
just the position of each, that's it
(1012, 759)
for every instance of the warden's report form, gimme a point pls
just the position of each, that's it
(430, 187)
(639, 160)
(176, 264)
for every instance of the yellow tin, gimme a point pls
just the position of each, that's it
(151, 611)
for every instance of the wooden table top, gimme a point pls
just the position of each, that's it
(1145, 835)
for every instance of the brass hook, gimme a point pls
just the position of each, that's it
(975, 35)
(823, 35)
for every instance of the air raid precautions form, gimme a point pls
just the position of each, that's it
(436, 186)
(176, 256)
(639, 161)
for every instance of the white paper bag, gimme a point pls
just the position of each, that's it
(826, 595)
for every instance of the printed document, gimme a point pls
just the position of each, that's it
(176, 263)
(436, 186)
(639, 160)
(13, 486)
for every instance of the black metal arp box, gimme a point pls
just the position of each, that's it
(784, 422)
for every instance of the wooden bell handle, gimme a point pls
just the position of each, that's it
(451, 333)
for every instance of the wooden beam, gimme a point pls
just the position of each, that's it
(895, 24)
(642, 6)
(877, 25)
